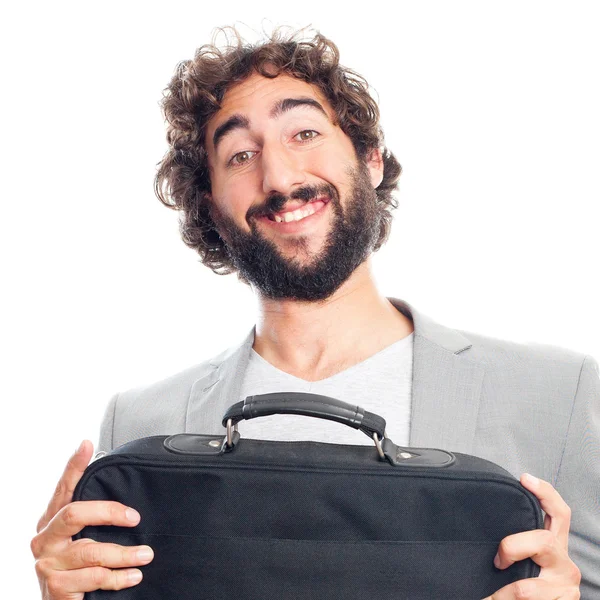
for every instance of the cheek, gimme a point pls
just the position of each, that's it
(233, 197)
(322, 163)
(233, 204)
(238, 186)
(336, 172)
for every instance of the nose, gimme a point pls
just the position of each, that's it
(282, 170)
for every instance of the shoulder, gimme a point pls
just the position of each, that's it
(537, 369)
(501, 353)
(174, 388)
(157, 408)
(492, 353)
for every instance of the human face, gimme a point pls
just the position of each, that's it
(264, 161)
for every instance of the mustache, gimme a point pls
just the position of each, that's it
(275, 202)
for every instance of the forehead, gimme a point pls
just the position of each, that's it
(255, 96)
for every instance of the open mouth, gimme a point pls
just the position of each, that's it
(299, 213)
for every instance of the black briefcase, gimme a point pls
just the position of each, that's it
(242, 519)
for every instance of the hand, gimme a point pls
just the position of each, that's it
(66, 568)
(559, 576)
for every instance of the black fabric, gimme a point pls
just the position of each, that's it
(305, 520)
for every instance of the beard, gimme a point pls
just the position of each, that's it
(354, 232)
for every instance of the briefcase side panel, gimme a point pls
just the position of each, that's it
(280, 502)
(267, 569)
(284, 513)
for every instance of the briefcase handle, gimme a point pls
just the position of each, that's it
(311, 405)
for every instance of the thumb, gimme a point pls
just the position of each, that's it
(63, 494)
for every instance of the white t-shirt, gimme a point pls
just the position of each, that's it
(381, 384)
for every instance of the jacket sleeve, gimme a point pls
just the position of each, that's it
(578, 478)
(105, 443)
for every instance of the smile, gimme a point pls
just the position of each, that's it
(299, 213)
(295, 221)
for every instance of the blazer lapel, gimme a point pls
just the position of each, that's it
(446, 385)
(212, 394)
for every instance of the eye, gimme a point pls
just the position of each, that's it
(241, 158)
(307, 135)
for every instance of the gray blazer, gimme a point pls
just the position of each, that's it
(529, 408)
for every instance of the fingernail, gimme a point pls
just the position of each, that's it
(134, 576)
(132, 515)
(531, 479)
(80, 448)
(145, 554)
(497, 561)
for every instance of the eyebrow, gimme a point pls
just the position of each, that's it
(286, 104)
(239, 121)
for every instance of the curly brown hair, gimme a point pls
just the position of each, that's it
(194, 94)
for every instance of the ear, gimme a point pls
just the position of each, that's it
(375, 166)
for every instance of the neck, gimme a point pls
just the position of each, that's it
(314, 340)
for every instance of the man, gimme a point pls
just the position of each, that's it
(276, 162)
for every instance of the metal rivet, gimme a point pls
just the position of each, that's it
(215, 443)
(405, 454)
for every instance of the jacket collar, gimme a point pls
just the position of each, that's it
(445, 391)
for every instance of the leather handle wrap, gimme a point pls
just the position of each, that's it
(311, 405)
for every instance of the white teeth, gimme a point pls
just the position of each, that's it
(295, 215)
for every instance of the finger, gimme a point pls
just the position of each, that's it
(89, 553)
(553, 505)
(60, 583)
(63, 494)
(71, 519)
(540, 545)
(536, 589)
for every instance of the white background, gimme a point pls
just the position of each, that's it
(491, 108)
